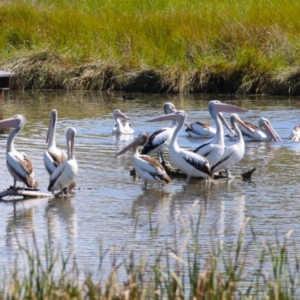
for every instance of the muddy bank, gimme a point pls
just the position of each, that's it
(48, 71)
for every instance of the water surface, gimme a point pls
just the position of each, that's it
(112, 209)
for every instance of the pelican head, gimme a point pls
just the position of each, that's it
(235, 118)
(52, 123)
(216, 106)
(70, 136)
(17, 121)
(169, 108)
(140, 141)
(118, 114)
(175, 116)
(295, 136)
(266, 125)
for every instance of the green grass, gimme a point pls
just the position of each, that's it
(248, 269)
(229, 38)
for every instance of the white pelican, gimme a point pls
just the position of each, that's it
(264, 131)
(234, 153)
(214, 149)
(122, 125)
(190, 163)
(204, 130)
(18, 163)
(295, 134)
(146, 166)
(65, 173)
(53, 156)
(160, 139)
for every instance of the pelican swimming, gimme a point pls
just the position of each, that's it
(148, 168)
(160, 139)
(122, 125)
(234, 153)
(263, 131)
(18, 163)
(295, 134)
(204, 130)
(190, 163)
(214, 149)
(65, 173)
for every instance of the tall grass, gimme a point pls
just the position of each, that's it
(257, 36)
(247, 270)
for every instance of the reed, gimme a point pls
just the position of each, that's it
(190, 47)
(248, 269)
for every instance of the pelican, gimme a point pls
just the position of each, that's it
(122, 125)
(188, 162)
(204, 130)
(214, 149)
(65, 173)
(234, 153)
(264, 131)
(295, 134)
(146, 166)
(160, 139)
(18, 163)
(53, 156)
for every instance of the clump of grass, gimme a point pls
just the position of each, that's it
(243, 46)
(246, 270)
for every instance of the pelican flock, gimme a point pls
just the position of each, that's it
(205, 161)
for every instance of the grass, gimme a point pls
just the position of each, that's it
(246, 270)
(207, 46)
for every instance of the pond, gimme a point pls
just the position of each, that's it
(111, 209)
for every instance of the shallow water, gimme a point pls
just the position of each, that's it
(112, 209)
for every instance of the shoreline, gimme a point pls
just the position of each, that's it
(50, 71)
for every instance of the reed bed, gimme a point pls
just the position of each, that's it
(248, 269)
(161, 46)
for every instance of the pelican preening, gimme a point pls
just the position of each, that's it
(214, 149)
(234, 153)
(65, 173)
(148, 168)
(204, 130)
(18, 163)
(263, 131)
(160, 139)
(122, 125)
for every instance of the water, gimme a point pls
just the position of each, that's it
(112, 209)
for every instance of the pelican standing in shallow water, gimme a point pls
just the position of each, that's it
(18, 163)
(122, 125)
(148, 168)
(214, 149)
(234, 153)
(160, 139)
(263, 131)
(190, 163)
(65, 173)
(53, 156)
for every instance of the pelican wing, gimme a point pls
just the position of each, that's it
(154, 168)
(197, 161)
(156, 139)
(57, 158)
(204, 149)
(56, 174)
(201, 128)
(221, 164)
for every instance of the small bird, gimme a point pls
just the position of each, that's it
(65, 173)
(18, 163)
(148, 168)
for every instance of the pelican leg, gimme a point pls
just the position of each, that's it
(228, 173)
(188, 179)
(145, 185)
